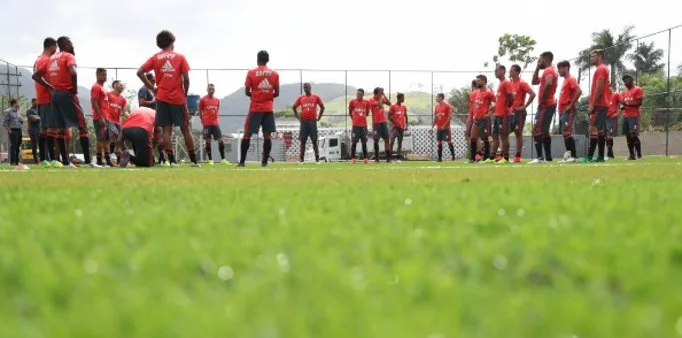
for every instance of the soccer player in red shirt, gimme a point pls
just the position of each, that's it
(397, 115)
(100, 116)
(441, 119)
(483, 109)
(262, 86)
(632, 103)
(568, 97)
(308, 119)
(209, 108)
(379, 123)
(520, 89)
(600, 97)
(63, 83)
(612, 122)
(117, 108)
(358, 110)
(503, 122)
(172, 85)
(139, 130)
(470, 116)
(546, 106)
(44, 98)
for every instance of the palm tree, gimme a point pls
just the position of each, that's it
(615, 48)
(647, 58)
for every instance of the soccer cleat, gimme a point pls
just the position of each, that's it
(300, 162)
(174, 165)
(639, 157)
(499, 158)
(224, 162)
(536, 161)
(241, 165)
(318, 162)
(195, 165)
(478, 157)
(600, 159)
(631, 158)
(353, 160)
(567, 155)
(57, 164)
(517, 159)
(210, 162)
(264, 164)
(21, 166)
(366, 161)
(125, 159)
(71, 166)
(490, 160)
(45, 164)
(569, 160)
(94, 165)
(585, 160)
(166, 164)
(471, 161)
(502, 161)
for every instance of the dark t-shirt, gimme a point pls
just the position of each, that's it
(33, 125)
(146, 94)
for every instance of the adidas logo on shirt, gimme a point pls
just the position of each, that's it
(167, 67)
(53, 66)
(265, 85)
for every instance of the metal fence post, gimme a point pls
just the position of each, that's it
(389, 85)
(432, 108)
(300, 81)
(345, 96)
(667, 96)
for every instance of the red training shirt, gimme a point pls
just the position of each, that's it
(168, 68)
(551, 100)
(616, 100)
(378, 114)
(501, 107)
(482, 103)
(602, 72)
(262, 81)
(360, 109)
(117, 103)
(98, 93)
(308, 106)
(42, 93)
(442, 114)
(568, 89)
(209, 107)
(57, 70)
(629, 97)
(472, 101)
(398, 113)
(520, 90)
(141, 117)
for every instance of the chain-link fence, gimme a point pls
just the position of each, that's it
(652, 59)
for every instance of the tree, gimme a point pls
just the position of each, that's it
(647, 58)
(615, 48)
(516, 48)
(459, 100)
(679, 70)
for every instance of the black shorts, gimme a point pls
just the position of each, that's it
(308, 129)
(483, 126)
(502, 124)
(397, 132)
(67, 111)
(46, 116)
(359, 133)
(543, 120)
(168, 114)
(142, 145)
(598, 119)
(612, 125)
(520, 120)
(444, 135)
(213, 131)
(631, 126)
(101, 130)
(258, 120)
(566, 121)
(380, 131)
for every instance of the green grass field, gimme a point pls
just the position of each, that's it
(341, 250)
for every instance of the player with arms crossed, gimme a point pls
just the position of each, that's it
(502, 123)
(117, 108)
(139, 130)
(379, 123)
(600, 97)
(568, 97)
(632, 104)
(63, 83)
(546, 107)
(358, 110)
(397, 115)
(262, 86)
(172, 71)
(209, 107)
(520, 89)
(483, 109)
(100, 116)
(47, 134)
(612, 122)
(441, 119)
(308, 119)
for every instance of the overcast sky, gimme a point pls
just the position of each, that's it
(320, 34)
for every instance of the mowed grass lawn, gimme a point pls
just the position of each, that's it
(341, 250)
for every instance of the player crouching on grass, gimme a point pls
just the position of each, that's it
(209, 106)
(139, 130)
(308, 119)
